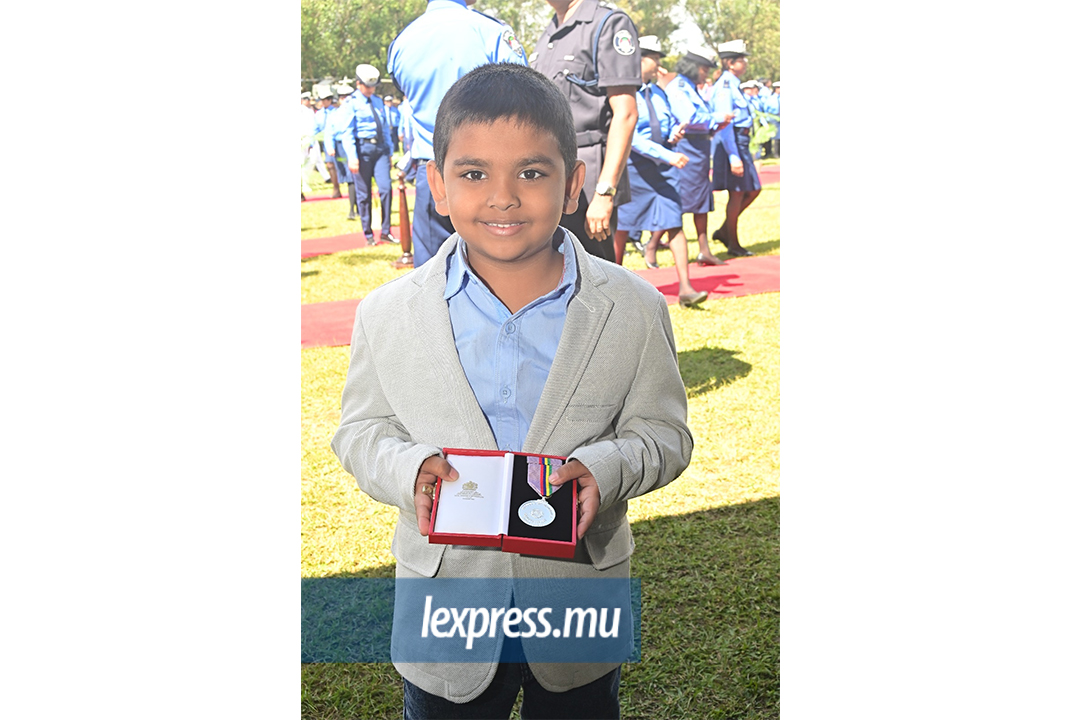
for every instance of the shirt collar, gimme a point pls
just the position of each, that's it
(458, 272)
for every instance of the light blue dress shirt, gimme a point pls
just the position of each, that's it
(506, 357)
(689, 107)
(359, 122)
(337, 124)
(729, 98)
(436, 49)
(642, 141)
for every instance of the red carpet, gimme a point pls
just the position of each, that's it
(337, 243)
(330, 324)
(740, 276)
(327, 324)
(769, 174)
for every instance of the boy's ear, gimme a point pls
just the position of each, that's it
(438, 189)
(574, 182)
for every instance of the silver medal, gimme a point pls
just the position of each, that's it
(536, 513)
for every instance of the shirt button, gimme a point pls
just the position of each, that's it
(510, 329)
(551, 45)
(506, 392)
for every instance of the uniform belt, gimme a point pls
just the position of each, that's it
(373, 141)
(589, 137)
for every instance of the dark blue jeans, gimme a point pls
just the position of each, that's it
(374, 162)
(599, 700)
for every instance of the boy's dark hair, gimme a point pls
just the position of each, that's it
(504, 91)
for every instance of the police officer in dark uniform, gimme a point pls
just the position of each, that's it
(602, 90)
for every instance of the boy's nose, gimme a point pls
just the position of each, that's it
(503, 195)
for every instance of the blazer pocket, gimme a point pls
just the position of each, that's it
(412, 550)
(610, 547)
(592, 421)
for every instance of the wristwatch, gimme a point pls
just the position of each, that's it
(603, 188)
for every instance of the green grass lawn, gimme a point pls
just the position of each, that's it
(708, 545)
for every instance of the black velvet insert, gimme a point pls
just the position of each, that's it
(562, 500)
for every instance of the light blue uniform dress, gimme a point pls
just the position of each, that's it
(654, 182)
(734, 139)
(689, 107)
(425, 59)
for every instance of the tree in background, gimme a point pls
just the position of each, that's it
(755, 21)
(528, 18)
(651, 17)
(338, 35)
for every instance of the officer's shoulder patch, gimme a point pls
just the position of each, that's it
(624, 43)
(509, 38)
(727, 83)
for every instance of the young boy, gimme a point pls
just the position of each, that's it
(513, 339)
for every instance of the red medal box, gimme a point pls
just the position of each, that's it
(483, 506)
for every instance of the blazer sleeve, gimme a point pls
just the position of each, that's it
(652, 443)
(371, 443)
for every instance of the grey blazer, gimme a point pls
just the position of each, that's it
(613, 400)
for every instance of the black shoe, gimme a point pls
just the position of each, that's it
(739, 251)
(370, 240)
(639, 247)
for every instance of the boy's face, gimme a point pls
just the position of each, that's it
(505, 188)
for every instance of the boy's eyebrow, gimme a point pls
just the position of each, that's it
(466, 161)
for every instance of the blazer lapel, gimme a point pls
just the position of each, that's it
(437, 352)
(585, 318)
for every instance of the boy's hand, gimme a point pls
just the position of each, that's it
(588, 492)
(424, 490)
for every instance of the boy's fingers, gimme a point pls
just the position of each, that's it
(589, 504)
(423, 515)
(569, 471)
(438, 466)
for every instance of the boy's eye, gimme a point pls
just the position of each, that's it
(531, 174)
(473, 175)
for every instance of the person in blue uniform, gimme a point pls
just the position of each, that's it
(369, 152)
(772, 105)
(701, 122)
(395, 122)
(337, 127)
(324, 100)
(733, 167)
(653, 173)
(425, 59)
